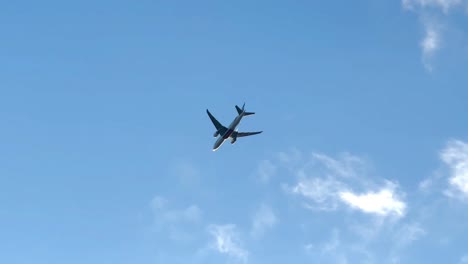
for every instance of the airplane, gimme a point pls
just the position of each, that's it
(231, 131)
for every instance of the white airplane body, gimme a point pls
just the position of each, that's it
(230, 132)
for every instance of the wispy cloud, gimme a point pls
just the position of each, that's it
(329, 248)
(191, 213)
(409, 233)
(227, 241)
(342, 247)
(445, 5)
(174, 221)
(373, 219)
(321, 192)
(430, 43)
(349, 182)
(263, 219)
(431, 12)
(455, 156)
(346, 166)
(327, 183)
(337, 249)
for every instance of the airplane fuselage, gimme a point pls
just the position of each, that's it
(228, 132)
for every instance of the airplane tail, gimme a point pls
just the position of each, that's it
(239, 110)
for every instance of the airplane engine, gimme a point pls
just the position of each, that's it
(216, 134)
(233, 140)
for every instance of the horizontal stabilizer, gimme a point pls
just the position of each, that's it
(239, 111)
(245, 134)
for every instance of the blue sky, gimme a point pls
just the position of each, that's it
(106, 146)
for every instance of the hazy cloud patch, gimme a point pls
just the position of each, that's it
(263, 220)
(265, 171)
(409, 233)
(178, 222)
(464, 259)
(226, 240)
(162, 212)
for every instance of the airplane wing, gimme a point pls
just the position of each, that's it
(244, 134)
(221, 129)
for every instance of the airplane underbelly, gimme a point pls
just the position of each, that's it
(218, 143)
(228, 133)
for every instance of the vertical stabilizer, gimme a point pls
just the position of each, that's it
(240, 110)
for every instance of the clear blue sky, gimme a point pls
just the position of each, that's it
(106, 146)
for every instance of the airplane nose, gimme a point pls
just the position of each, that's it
(216, 146)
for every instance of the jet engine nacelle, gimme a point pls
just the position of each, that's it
(216, 134)
(233, 140)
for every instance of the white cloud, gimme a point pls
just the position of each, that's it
(328, 183)
(383, 202)
(263, 220)
(455, 156)
(320, 179)
(227, 241)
